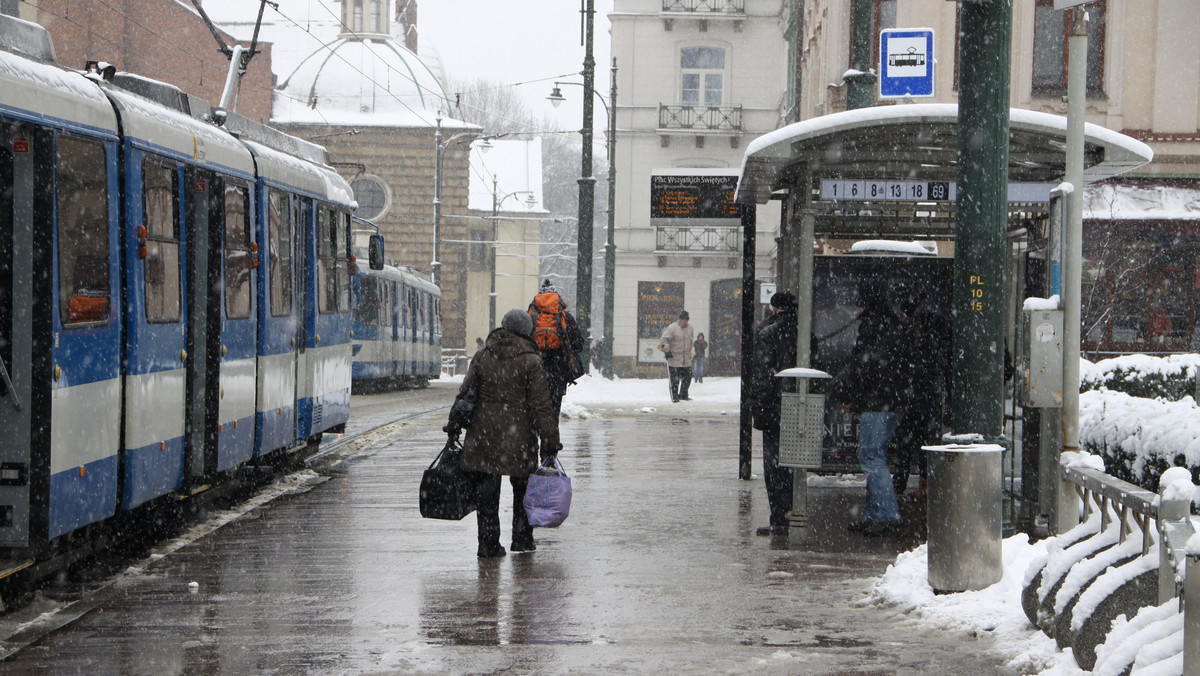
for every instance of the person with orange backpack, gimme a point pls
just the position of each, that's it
(558, 340)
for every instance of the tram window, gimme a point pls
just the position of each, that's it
(160, 200)
(81, 200)
(343, 260)
(238, 259)
(280, 268)
(327, 277)
(368, 301)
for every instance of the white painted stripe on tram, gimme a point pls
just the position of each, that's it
(153, 407)
(276, 381)
(237, 389)
(85, 424)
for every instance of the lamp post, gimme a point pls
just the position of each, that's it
(587, 190)
(497, 200)
(610, 247)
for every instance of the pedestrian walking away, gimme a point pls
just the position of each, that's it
(558, 341)
(871, 385)
(774, 351)
(699, 348)
(676, 345)
(513, 413)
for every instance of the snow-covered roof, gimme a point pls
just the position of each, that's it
(1140, 202)
(921, 140)
(325, 77)
(517, 168)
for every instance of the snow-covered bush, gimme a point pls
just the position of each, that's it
(1139, 414)
(1171, 377)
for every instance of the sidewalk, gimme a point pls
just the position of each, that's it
(657, 570)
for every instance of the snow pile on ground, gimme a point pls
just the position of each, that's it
(993, 612)
(633, 396)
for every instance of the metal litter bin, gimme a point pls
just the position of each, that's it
(801, 421)
(964, 518)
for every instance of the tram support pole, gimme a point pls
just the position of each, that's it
(745, 417)
(977, 405)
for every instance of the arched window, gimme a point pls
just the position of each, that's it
(702, 76)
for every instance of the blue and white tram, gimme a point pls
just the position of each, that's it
(397, 327)
(147, 346)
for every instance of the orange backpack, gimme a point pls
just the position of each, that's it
(549, 323)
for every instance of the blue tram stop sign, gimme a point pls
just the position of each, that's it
(905, 63)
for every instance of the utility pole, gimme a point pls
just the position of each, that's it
(587, 191)
(981, 219)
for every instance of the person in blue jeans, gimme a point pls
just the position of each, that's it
(873, 385)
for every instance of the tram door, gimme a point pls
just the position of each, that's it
(304, 249)
(202, 378)
(279, 325)
(17, 190)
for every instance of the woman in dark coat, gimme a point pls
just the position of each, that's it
(513, 412)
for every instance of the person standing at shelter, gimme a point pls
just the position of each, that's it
(927, 345)
(871, 385)
(512, 414)
(676, 344)
(774, 351)
(558, 341)
(699, 348)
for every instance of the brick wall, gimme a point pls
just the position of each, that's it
(404, 159)
(160, 39)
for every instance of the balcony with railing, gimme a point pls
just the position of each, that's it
(699, 118)
(705, 6)
(714, 239)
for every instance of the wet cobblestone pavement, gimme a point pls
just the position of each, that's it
(657, 570)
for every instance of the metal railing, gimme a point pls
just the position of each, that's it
(695, 238)
(1166, 524)
(705, 6)
(715, 118)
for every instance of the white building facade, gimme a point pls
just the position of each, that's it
(696, 81)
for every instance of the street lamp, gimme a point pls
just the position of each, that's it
(441, 146)
(497, 200)
(610, 247)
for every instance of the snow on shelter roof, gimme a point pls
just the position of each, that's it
(921, 141)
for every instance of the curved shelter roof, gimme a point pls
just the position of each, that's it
(920, 142)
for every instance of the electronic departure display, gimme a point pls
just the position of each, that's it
(693, 197)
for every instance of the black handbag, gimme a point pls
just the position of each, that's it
(446, 492)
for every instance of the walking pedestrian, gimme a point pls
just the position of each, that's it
(774, 351)
(512, 414)
(871, 385)
(676, 345)
(699, 347)
(558, 341)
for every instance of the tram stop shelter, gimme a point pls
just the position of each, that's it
(889, 173)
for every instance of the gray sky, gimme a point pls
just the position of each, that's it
(519, 41)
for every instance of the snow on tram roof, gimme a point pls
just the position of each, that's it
(44, 90)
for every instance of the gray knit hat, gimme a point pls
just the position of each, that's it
(517, 321)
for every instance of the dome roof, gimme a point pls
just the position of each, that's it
(358, 81)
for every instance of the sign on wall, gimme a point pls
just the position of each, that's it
(702, 199)
(905, 63)
(659, 304)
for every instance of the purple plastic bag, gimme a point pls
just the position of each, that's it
(548, 498)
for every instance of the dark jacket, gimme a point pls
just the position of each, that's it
(512, 407)
(877, 376)
(700, 347)
(774, 351)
